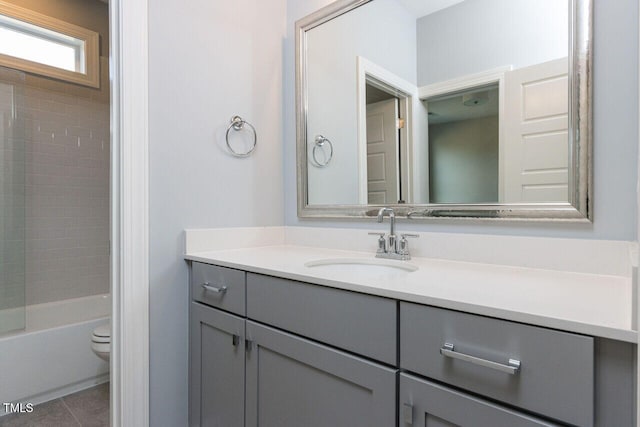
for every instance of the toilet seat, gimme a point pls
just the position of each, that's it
(103, 331)
(101, 341)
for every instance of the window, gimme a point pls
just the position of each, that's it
(43, 45)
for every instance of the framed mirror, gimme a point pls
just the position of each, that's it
(451, 108)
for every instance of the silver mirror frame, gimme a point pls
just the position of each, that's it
(579, 207)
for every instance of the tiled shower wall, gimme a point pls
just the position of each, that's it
(67, 189)
(12, 204)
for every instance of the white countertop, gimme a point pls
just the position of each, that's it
(592, 304)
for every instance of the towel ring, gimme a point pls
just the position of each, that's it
(319, 143)
(237, 124)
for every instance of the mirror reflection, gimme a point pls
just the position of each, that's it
(438, 102)
(464, 147)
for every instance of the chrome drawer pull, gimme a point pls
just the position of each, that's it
(207, 287)
(448, 350)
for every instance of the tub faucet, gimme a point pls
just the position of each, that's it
(390, 247)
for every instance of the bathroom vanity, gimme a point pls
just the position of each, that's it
(291, 335)
(276, 343)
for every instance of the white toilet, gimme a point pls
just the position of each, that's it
(101, 341)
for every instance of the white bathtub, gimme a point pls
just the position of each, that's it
(52, 357)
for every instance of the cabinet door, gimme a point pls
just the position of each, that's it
(217, 368)
(295, 382)
(423, 403)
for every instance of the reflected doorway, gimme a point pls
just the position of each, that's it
(386, 143)
(464, 140)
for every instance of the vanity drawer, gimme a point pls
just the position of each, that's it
(556, 373)
(359, 323)
(219, 287)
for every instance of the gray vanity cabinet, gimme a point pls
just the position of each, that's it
(538, 369)
(424, 403)
(217, 368)
(323, 313)
(292, 381)
(267, 351)
(244, 372)
(217, 346)
(219, 287)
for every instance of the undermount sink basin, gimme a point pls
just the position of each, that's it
(358, 265)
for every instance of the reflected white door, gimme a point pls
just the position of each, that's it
(382, 152)
(536, 150)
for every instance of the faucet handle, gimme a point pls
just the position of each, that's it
(407, 235)
(382, 243)
(403, 251)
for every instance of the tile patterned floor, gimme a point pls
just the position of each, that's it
(86, 408)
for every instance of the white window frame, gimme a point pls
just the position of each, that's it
(90, 76)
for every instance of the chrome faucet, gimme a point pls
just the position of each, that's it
(391, 247)
(393, 244)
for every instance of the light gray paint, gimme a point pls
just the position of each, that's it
(421, 8)
(208, 61)
(233, 297)
(371, 320)
(615, 136)
(292, 381)
(217, 368)
(380, 32)
(490, 33)
(435, 405)
(556, 375)
(463, 160)
(616, 394)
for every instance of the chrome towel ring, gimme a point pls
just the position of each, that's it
(237, 124)
(320, 141)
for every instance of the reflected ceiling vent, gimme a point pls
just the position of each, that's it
(474, 99)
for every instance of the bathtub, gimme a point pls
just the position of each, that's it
(52, 356)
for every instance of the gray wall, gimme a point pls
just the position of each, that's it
(381, 32)
(615, 72)
(208, 60)
(490, 33)
(463, 161)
